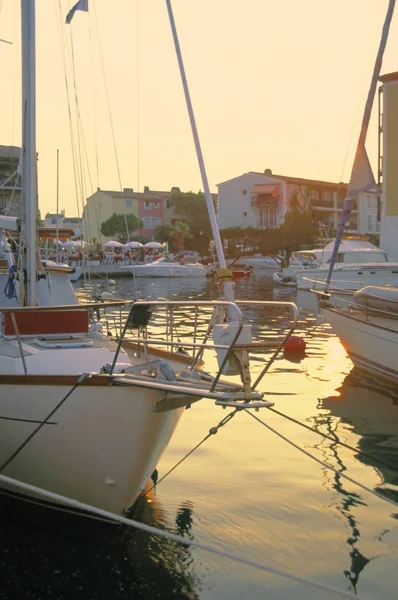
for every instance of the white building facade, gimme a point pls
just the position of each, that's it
(261, 200)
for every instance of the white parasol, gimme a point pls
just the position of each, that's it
(153, 245)
(113, 244)
(133, 245)
(74, 244)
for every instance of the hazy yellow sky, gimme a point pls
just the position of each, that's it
(275, 84)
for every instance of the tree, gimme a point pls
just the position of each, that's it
(162, 233)
(297, 231)
(193, 211)
(115, 227)
(178, 234)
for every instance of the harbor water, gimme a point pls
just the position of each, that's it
(245, 490)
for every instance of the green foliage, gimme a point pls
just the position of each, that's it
(115, 227)
(178, 234)
(162, 233)
(298, 230)
(193, 210)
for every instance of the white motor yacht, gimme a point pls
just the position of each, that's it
(358, 264)
(167, 267)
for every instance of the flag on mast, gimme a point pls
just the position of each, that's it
(80, 5)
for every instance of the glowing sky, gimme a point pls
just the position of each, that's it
(277, 85)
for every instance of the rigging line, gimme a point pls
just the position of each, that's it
(111, 121)
(138, 97)
(108, 100)
(82, 377)
(331, 438)
(322, 463)
(212, 431)
(175, 538)
(62, 43)
(78, 120)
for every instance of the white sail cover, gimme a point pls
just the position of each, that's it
(10, 223)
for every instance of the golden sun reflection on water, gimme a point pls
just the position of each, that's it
(251, 493)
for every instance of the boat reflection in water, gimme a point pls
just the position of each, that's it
(369, 411)
(173, 563)
(65, 556)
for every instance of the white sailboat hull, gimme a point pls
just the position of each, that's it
(351, 279)
(371, 346)
(100, 447)
(101, 270)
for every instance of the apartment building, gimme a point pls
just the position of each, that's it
(153, 208)
(261, 200)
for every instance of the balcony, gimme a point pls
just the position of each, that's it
(320, 203)
(264, 201)
(265, 196)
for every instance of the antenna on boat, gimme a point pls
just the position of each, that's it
(224, 273)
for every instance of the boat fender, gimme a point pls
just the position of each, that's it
(295, 344)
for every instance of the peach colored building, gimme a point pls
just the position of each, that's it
(152, 207)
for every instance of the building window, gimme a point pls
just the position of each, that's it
(149, 204)
(371, 202)
(267, 219)
(245, 214)
(326, 196)
(373, 224)
(151, 222)
(147, 221)
(370, 221)
(129, 204)
(314, 194)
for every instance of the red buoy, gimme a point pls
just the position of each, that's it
(295, 344)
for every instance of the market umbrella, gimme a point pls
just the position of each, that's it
(153, 245)
(133, 245)
(74, 244)
(113, 244)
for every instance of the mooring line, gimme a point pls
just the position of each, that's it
(321, 462)
(340, 443)
(212, 431)
(175, 538)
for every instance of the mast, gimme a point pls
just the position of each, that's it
(228, 289)
(361, 174)
(29, 170)
(57, 210)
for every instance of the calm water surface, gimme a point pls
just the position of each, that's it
(245, 490)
